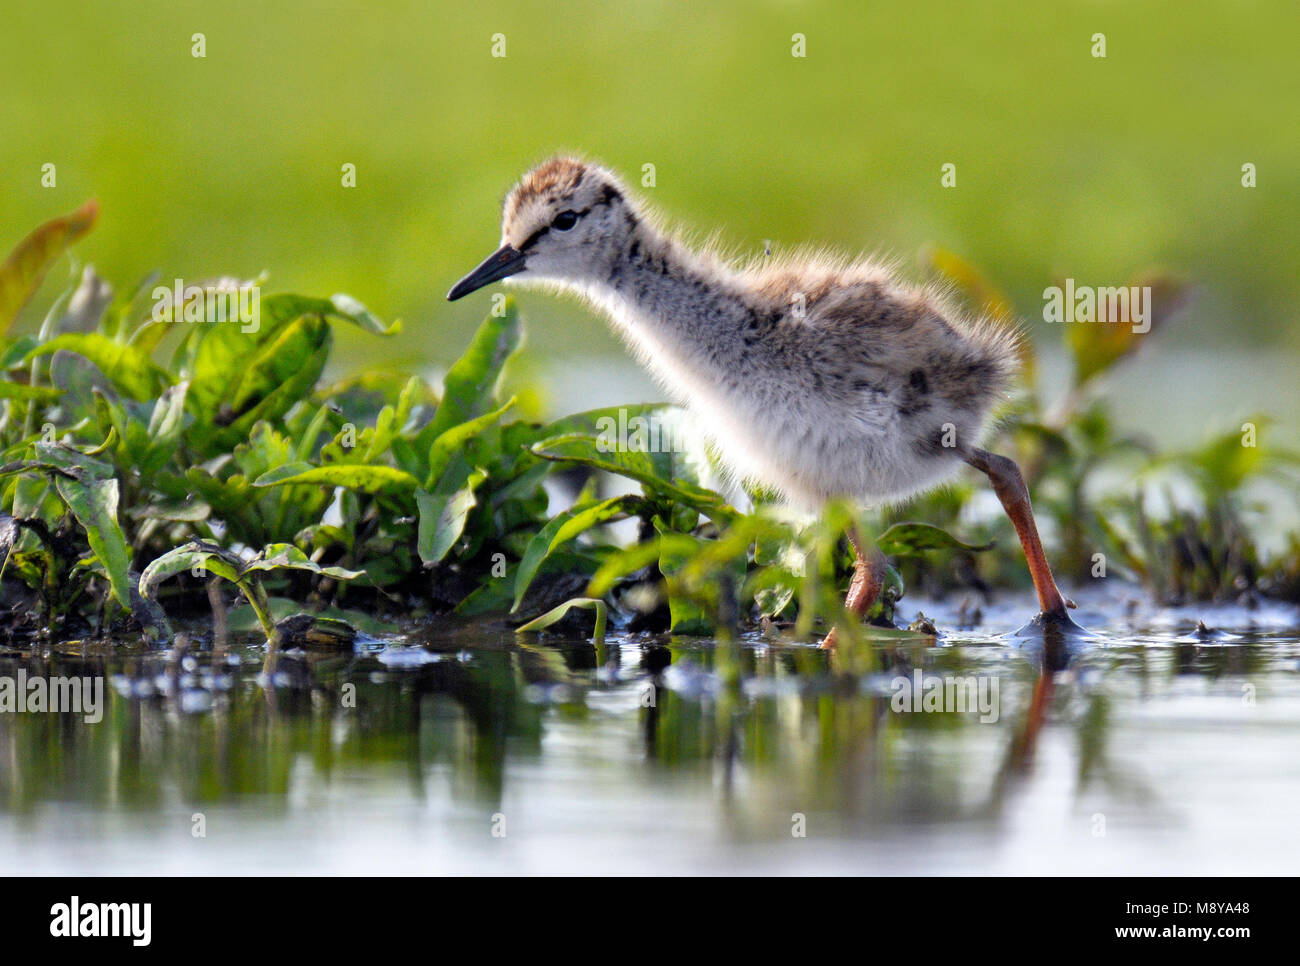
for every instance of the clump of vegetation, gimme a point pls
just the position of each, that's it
(132, 486)
(1176, 523)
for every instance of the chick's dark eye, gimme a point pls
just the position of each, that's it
(564, 221)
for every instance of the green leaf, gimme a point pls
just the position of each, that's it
(284, 306)
(413, 391)
(686, 616)
(213, 559)
(352, 476)
(89, 489)
(471, 382)
(233, 368)
(1225, 462)
(653, 470)
(442, 518)
(177, 511)
(284, 473)
(168, 414)
(595, 421)
(14, 354)
(94, 503)
(304, 342)
(65, 456)
(23, 271)
(285, 556)
(384, 432)
(912, 539)
(307, 438)
(453, 441)
(272, 380)
(229, 566)
(493, 594)
(164, 431)
(557, 613)
(16, 390)
(561, 529)
(631, 559)
(34, 467)
(129, 369)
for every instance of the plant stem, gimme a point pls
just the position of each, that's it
(253, 592)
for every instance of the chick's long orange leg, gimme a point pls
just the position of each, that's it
(868, 578)
(1010, 488)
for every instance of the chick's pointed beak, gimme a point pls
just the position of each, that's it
(506, 260)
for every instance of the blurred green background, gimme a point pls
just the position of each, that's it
(1066, 164)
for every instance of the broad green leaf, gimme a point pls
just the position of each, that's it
(352, 476)
(283, 306)
(35, 467)
(911, 539)
(89, 489)
(213, 559)
(277, 376)
(631, 559)
(685, 613)
(442, 518)
(127, 367)
(229, 566)
(592, 451)
(15, 390)
(471, 382)
(414, 390)
(405, 456)
(177, 511)
(1225, 462)
(24, 269)
(82, 385)
(69, 458)
(561, 529)
(14, 354)
(453, 441)
(311, 432)
(279, 361)
(526, 488)
(595, 422)
(383, 435)
(493, 594)
(94, 503)
(694, 570)
(556, 614)
(285, 556)
(731, 549)
(224, 375)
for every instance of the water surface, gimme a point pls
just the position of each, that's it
(1154, 747)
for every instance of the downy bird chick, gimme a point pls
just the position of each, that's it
(819, 378)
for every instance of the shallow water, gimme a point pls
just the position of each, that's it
(1151, 748)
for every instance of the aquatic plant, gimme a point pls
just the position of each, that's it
(148, 449)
